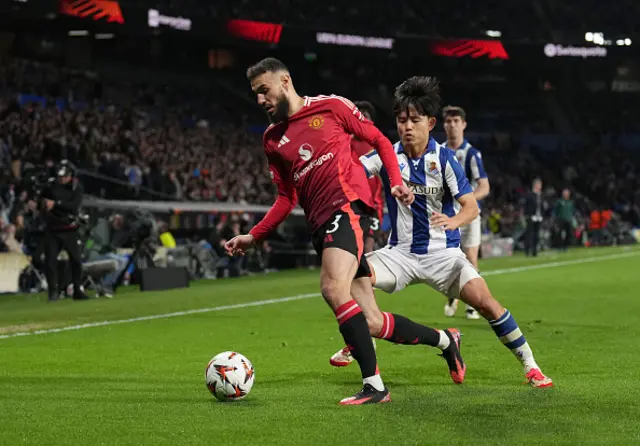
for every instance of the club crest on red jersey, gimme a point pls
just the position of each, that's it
(316, 122)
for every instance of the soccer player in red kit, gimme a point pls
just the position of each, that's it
(308, 148)
(359, 147)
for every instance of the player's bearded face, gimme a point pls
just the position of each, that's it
(414, 128)
(280, 109)
(271, 96)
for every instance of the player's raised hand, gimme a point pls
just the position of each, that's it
(442, 221)
(239, 245)
(403, 193)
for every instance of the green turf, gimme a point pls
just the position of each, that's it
(142, 382)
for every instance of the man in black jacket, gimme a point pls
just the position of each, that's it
(533, 214)
(61, 203)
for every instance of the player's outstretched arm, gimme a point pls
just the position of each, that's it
(239, 245)
(284, 204)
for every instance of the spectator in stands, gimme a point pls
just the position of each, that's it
(8, 242)
(533, 212)
(595, 226)
(494, 221)
(7, 199)
(134, 176)
(564, 212)
(106, 238)
(166, 237)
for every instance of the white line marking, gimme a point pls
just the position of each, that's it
(258, 303)
(261, 303)
(496, 272)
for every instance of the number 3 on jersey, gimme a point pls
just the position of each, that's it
(335, 223)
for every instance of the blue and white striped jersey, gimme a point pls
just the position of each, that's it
(471, 159)
(437, 181)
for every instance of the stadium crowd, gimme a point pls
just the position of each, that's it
(153, 154)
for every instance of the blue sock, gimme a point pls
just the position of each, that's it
(510, 335)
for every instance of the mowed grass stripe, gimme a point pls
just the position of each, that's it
(297, 297)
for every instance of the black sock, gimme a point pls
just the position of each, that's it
(400, 330)
(355, 332)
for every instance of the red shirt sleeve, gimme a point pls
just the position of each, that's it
(284, 204)
(355, 123)
(376, 190)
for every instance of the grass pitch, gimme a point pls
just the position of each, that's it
(133, 382)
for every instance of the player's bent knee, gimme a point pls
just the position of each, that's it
(335, 292)
(476, 293)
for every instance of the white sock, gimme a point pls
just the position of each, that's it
(470, 308)
(525, 356)
(375, 381)
(444, 341)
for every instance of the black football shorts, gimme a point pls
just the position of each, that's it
(344, 231)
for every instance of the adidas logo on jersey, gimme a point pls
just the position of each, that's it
(283, 141)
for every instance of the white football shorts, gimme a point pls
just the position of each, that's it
(446, 271)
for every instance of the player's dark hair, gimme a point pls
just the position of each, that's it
(453, 111)
(268, 65)
(420, 92)
(366, 107)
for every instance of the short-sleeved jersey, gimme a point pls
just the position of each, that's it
(471, 160)
(312, 151)
(358, 149)
(437, 181)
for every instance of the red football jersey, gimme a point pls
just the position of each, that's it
(358, 149)
(310, 159)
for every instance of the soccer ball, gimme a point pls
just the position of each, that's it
(229, 376)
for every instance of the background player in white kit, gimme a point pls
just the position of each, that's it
(470, 158)
(424, 245)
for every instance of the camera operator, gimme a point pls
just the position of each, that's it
(61, 202)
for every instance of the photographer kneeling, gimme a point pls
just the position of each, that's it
(61, 202)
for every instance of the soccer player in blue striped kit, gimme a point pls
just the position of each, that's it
(470, 158)
(424, 245)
